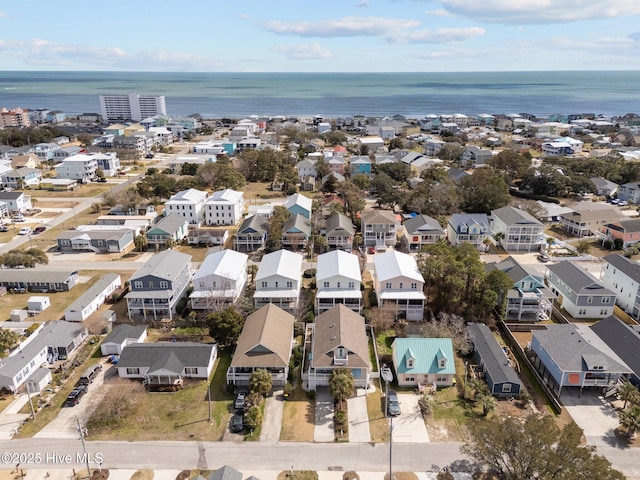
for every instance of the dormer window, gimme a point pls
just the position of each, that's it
(410, 362)
(442, 363)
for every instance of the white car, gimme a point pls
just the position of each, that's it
(24, 231)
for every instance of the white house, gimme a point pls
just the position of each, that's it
(224, 207)
(187, 203)
(81, 167)
(306, 168)
(622, 276)
(399, 284)
(338, 280)
(516, 229)
(219, 280)
(121, 336)
(109, 163)
(16, 201)
(278, 280)
(93, 298)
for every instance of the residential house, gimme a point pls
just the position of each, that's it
(306, 168)
(109, 163)
(21, 178)
(121, 336)
(529, 299)
(220, 279)
(338, 340)
(97, 240)
(337, 177)
(340, 232)
(38, 280)
(360, 164)
(471, 228)
(622, 276)
(224, 207)
(91, 300)
(629, 192)
(579, 292)
(208, 236)
(399, 285)
(298, 204)
(29, 160)
(474, 157)
(189, 204)
(336, 164)
(604, 187)
(626, 232)
(296, 232)
(81, 167)
(278, 280)
(371, 142)
(172, 228)
(422, 230)
(572, 355)
(17, 202)
(380, 228)
(624, 340)
(516, 230)
(158, 285)
(55, 340)
(556, 149)
(585, 220)
(44, 151)
(423, 362)
(488, 354)
(265, 343)
(252, 234)
(167, 364)
(338, 281)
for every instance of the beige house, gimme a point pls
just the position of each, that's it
(585, 220)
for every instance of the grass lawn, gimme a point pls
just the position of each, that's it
(297, 475)
(5, 400)
(378, 423)
(257, 192)
(298, 417)
(182, 415)
(84, 190)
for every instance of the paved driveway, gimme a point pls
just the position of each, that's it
(323, 431)
(358, 417)
(593, 414)
(409, 425)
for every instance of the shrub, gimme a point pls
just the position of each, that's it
(309, 273)
(311, 394)
(340, 417)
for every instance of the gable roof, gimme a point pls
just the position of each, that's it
(300, 200)
(379, 217)
(254, 223)
(226, 263)
(458, 220)
(422, 223)
(339, 221)
(426, 352)
(190, 195)
(593, 212)
(515, 216)
(93, 291)
(297, 224)
(124, 331)
(394, 264)
(622, 339)
(283, 263)
(628, 267)
(337, 327)
(630, 225)
(225, 473)
(171, 356)
(226, 195)
(490, 352)
(578, 279)
(169, 224)
(516, 271)
(164, 265)
(265, 340)
(338, 262)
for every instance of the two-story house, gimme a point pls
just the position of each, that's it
(629, 192)
(109, 163)
(172, 228)
(626, 232)
(360, 164)
(220, 280)
(338, 339)
(252, 234)
(188, 204)
(278, 280)
(475, 157)
(158, 285)
(585, 220)
(516, 230)
(340, 232)
(224, 207)
(380, 228)
(622, 276)
(23, 177)
(298, 204)
(306, 168)
(422, 230)
(399, 285)
(296, 232)
(81, 167)
(529, 299)
(579, 292)
(338, 280)
(423, 362)
(471, 228)
(16, 202)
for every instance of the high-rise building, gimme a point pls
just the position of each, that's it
(132, 106)
(14, 118)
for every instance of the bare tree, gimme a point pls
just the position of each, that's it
(447, 325)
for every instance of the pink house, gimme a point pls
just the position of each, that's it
(626, 230)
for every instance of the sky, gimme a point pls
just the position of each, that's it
(320, 36)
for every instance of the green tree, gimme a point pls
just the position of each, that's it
(509, 164)
(362, 181)
(396, 143)
(335, 138)
(534, 448)
(225, 326)
(583, 246)
(628, 392)
(487, 402)
(630, 419)
(24, 258)
(140, 242)
(189, 169)
(220, 175)
(341, 384)
(279, 217)
(260, 382)
(252, 269)
(354, 201)
(8, 338)
(253, 417)
(330, 184)
(451, 152)
(483, 191)
(500, 283)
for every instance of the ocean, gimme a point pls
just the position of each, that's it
(237, 95)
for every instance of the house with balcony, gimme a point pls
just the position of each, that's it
(622, 276)
(306, 168)
(471, 228)
(516, 230)
(475, 157)
(338, 338)
(279, 280)
(629, 192)
(298, 204)
(172, 228)
(158, 285)
(44, 151)
(23, 177)
(360, 165)
(423, 362)
(339, 232)
(399, 285)
(338, 281)
(422, 230)
(189, 204)
(625, 231)
(579, 292)
(252, 234)
(224, 207)
(265, 343)
(380, 228)
(81, 167)
(336, 164)
(109, 163)
(296, 232)
(220, 280)
(98, 240)
(16, 202)
(529, 300)
(572, 355)
(585, 220)
(624, 340)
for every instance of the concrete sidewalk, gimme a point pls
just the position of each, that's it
(10, 419)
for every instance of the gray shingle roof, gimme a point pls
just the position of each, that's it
(255, 222)
(123, 332)
(578, 279)
(494, 359)
(515, 216)
(423, 223)
(31, 275)
(622, 339)
(340, 221)
(628, 267)
(297, 223)
(165, 264)
(173, 356)
(226, 473)
(169, 224)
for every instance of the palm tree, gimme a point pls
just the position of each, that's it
(628, 393)
(487, 402)
(341, 384)
(630, 419)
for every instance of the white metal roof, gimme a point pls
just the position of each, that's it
(394, 264)
(337, 262)
(283, 262)
(226, 263)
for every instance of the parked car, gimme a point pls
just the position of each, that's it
(4, 228)
(237, 424)
(543, 257)
(91, 373)
(75, 395)
(18, 218)
(372, 250)
(38, 230)
(24, 231)
(240, 400)
(101, 180)
(149, 155)
(393, 404)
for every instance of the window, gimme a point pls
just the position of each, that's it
(441, 379)
(137, 284)
(352, 285)
(150, 283)
(607, 299)
(190, 370)
(409, 379)
(387, 285)
(164, 284)
(401, 285)
(133, 371)
(289, 284)
(442, 363)
(263, 285)
(338, 284)
(276, 284)
(325, 285)
(506, 387)
(589, 299)
(414, 286)
(582, 311)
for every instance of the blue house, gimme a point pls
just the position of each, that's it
(298, 204)
(360, 164)
(423, 361)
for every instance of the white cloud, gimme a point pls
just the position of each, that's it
(363, 3)
(440, 35)
(635, 36)
(304, 51)
(441, 12)
(341, 27)
(3, 15)
(541, 11)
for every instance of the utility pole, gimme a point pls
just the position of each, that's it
(33, 412)
(84, 447)
(387, 376)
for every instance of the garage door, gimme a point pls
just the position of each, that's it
(110, 349)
